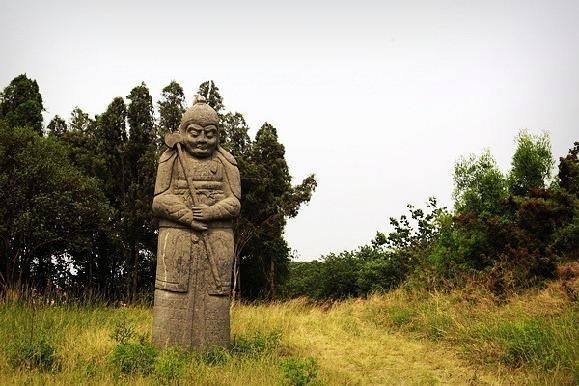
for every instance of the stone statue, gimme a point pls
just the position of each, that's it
(197, 195)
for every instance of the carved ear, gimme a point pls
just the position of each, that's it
(171, 139)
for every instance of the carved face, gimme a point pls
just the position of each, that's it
(200, 141)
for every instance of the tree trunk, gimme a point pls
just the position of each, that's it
(271, 281)
(134, 273)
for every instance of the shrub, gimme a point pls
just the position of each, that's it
(133, 358)
(381, 274)
(122, 332)
(300, 372)
(257, 343)
(35, 352)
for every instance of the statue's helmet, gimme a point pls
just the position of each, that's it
(200, 113)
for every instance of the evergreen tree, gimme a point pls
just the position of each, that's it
(21, 104)
(80, 121)
(140, 115)
(57, 126)
(171, 108)
(140, 158)
(210, 91)
(234, 134)
(111, 141)
(268, 200)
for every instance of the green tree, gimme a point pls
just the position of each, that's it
(111, 141)
(568, 176)
(80, 121)
(171, 107)
(566, 237)
(479, 185)
(50, 210)
(532, 163)
(140, 115)
(234, 134)
(97, 267)
(57, 126)
(140, 160)
(210, 91)
(21, 104)
(339, 275)
(268, 200)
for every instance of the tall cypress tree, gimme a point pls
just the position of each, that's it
(140, 159)
(111, 141)
(57, 126)
(210, 91)
(171, 108)
(21, 104)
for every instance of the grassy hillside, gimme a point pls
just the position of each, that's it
(402, 337)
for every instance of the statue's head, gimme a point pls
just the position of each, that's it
(199, 129)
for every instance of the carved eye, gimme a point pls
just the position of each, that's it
(210, 131)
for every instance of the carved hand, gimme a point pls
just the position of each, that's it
(198, 226)
(201, 213)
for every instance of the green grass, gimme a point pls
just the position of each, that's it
(396, 338)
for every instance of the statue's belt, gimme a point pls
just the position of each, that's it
(164, 223)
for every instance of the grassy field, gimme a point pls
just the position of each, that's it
(403, 337)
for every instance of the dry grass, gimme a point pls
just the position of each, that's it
(397, 338)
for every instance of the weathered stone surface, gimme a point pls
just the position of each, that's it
(197, 195)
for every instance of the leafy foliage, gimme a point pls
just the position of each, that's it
(57, 126)
(171, 107)
(21, 104)
(256, 343)
(479, 185)
(382, 265)
(35, 352)
(532, 163)
(134, 358)
(507, 231)
(50, 209)
(300, 372)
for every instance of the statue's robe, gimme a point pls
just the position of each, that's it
(193, 277)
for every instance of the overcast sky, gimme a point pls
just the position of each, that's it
(377, 98)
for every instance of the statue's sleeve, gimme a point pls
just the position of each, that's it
(230, 206)
(166, 204)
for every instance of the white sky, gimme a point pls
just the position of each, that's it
(378, 98)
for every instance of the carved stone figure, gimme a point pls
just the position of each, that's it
(197, 194)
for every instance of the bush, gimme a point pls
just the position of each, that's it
(257, 343)
(134, 358)
(122, 332)
(32, 353)
(300, 372)
(380, 275)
